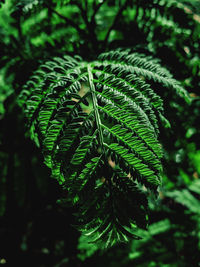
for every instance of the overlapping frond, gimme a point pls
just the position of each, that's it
(162, 15)
(97, 125)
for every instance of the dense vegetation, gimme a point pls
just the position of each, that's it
(99, 107)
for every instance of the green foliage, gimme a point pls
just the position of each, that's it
(169, 241)
(180, 233)
(104, 153)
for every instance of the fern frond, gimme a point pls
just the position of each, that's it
(169, 26)
(185, 198)
(29, 6)
(141, 66)
(97, 125)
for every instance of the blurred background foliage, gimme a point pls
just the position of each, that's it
(35, 230)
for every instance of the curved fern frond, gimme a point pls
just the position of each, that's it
(142, 66)
(97, 125)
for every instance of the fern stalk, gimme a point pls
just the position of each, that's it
(95, 106)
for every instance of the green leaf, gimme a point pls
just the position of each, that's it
(97, 124)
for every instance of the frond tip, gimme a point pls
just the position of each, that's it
(97, 125)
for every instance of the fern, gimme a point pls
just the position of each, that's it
(97, 125)
(28, 6)
(186, 198)
(169, 26)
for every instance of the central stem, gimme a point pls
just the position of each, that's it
(95, 106)
(99, 128)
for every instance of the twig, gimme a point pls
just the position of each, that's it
(115, 22)
(96, 9)
(68, 21)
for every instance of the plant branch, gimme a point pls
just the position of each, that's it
(94, 102)
(83, 13)
(67, 20)
(90, 33)
(89, 24)
(96, 9)
(115, 22)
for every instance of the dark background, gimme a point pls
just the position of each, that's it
(35, 230)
